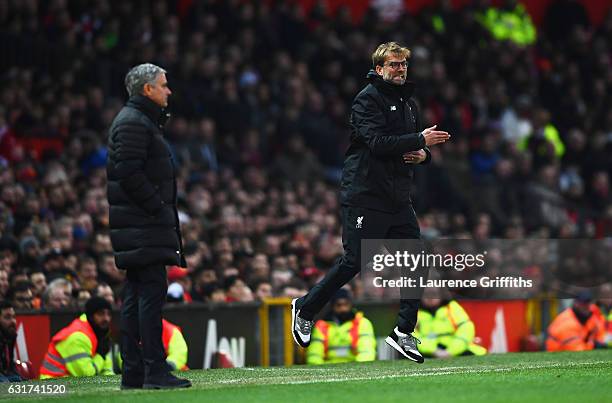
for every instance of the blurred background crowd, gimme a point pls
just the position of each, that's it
(260, 107)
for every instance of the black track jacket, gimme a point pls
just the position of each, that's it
(385, 124)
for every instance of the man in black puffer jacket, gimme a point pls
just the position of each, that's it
(145, 231)
(386, 142)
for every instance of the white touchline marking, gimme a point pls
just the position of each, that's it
(331, 369)
(282, 380)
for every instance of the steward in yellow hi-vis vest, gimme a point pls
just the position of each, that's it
(445, 330)
(344, 335)
(81, 348)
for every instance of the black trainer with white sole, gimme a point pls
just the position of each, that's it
(300, 328)
(406, 345)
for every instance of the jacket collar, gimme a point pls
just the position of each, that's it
(399, 91)
(154, 112)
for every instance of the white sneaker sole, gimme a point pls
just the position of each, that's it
(397, 347)
(293, 313)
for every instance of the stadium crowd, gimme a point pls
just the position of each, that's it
(260, 105)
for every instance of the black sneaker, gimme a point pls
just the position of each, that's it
(406, 345)
(166, 381)
(300, 328)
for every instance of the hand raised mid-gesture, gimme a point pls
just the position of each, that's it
(433, 137)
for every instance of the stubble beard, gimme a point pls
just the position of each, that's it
(394, 79)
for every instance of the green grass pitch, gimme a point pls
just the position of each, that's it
(517, 377)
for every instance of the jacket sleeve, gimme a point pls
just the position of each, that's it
(130, 144)
(428, 157)
(464, 331)
(316, 351)
(369, 128)
(419, 125)
(572, 343)
(76, 352)
(366, 345)
(177, 351)
(599, 332)
(107, 368)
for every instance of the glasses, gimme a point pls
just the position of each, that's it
(396, 65)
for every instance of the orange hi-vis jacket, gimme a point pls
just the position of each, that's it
(72, 351)
(566, 333)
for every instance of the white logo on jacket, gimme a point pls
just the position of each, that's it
(359, 222)
(393, 108)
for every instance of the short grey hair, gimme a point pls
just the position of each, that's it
(140, 75)
(58, 283)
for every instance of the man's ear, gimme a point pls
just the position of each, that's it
(146, 89)
(379, 70)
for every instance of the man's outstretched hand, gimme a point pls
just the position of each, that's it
(433, 137)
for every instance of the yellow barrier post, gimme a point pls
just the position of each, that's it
(264, 321)
(264, 333)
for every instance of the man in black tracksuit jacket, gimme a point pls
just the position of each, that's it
(145, 231)
(386, 141)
